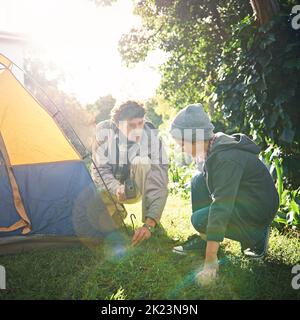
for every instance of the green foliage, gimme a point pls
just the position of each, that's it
(151, 107)
(192, 33)
(119, 295)
(288, 215)
(247, 77)
(258, 88)
(102, 107)
(180, 176)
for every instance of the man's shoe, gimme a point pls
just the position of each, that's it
(259, 250)
(193, 245)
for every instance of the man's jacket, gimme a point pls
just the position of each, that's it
(105, 146)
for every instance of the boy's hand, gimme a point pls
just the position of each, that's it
(211, 265)
(209, 273)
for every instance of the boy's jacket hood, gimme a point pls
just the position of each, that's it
(236, 141)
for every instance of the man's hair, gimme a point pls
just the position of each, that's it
(127, 111)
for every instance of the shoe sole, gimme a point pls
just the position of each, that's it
(256, 258)
(186, 253)
(182, 253)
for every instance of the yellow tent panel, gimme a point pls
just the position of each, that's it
(5, 61)
(29, 132)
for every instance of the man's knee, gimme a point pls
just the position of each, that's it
(143, 163)
(140, 167)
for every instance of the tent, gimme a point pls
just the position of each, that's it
(46, 192)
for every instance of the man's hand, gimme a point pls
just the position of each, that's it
(120, 193)
(140, 235)
(143, 233)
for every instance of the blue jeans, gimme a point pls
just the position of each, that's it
(238, 229)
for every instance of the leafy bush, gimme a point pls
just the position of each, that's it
(258, 87)
(288, 214)
(180, 176)
(247, 76)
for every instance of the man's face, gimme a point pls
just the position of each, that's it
(132, 128)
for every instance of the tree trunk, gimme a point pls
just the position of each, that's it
(265, 10)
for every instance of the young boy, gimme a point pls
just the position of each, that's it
(233, 197)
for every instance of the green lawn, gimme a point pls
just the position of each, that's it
(152, 271)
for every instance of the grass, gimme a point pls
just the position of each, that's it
(152, 271)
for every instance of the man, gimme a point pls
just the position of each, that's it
(234, 196)
(129, 156)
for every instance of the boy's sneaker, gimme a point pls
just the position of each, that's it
(194, 244)
(259, 250)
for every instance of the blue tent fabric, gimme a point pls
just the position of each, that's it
(60, 199)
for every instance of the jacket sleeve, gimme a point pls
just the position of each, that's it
(156, 187)
(100, 156)
(225, 180)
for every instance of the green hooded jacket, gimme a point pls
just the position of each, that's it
(238, 180)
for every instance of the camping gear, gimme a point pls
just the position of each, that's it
(130, 189)
(45, 188)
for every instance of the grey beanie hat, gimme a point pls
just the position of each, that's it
(188, 121)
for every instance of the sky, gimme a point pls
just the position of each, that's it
(82, 39)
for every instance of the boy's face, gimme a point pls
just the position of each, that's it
(196, 149)
(132, 128)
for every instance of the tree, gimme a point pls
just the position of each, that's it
(245, 73)
(152, 112)
(102, 107)
(265, 10)
(43, 81)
